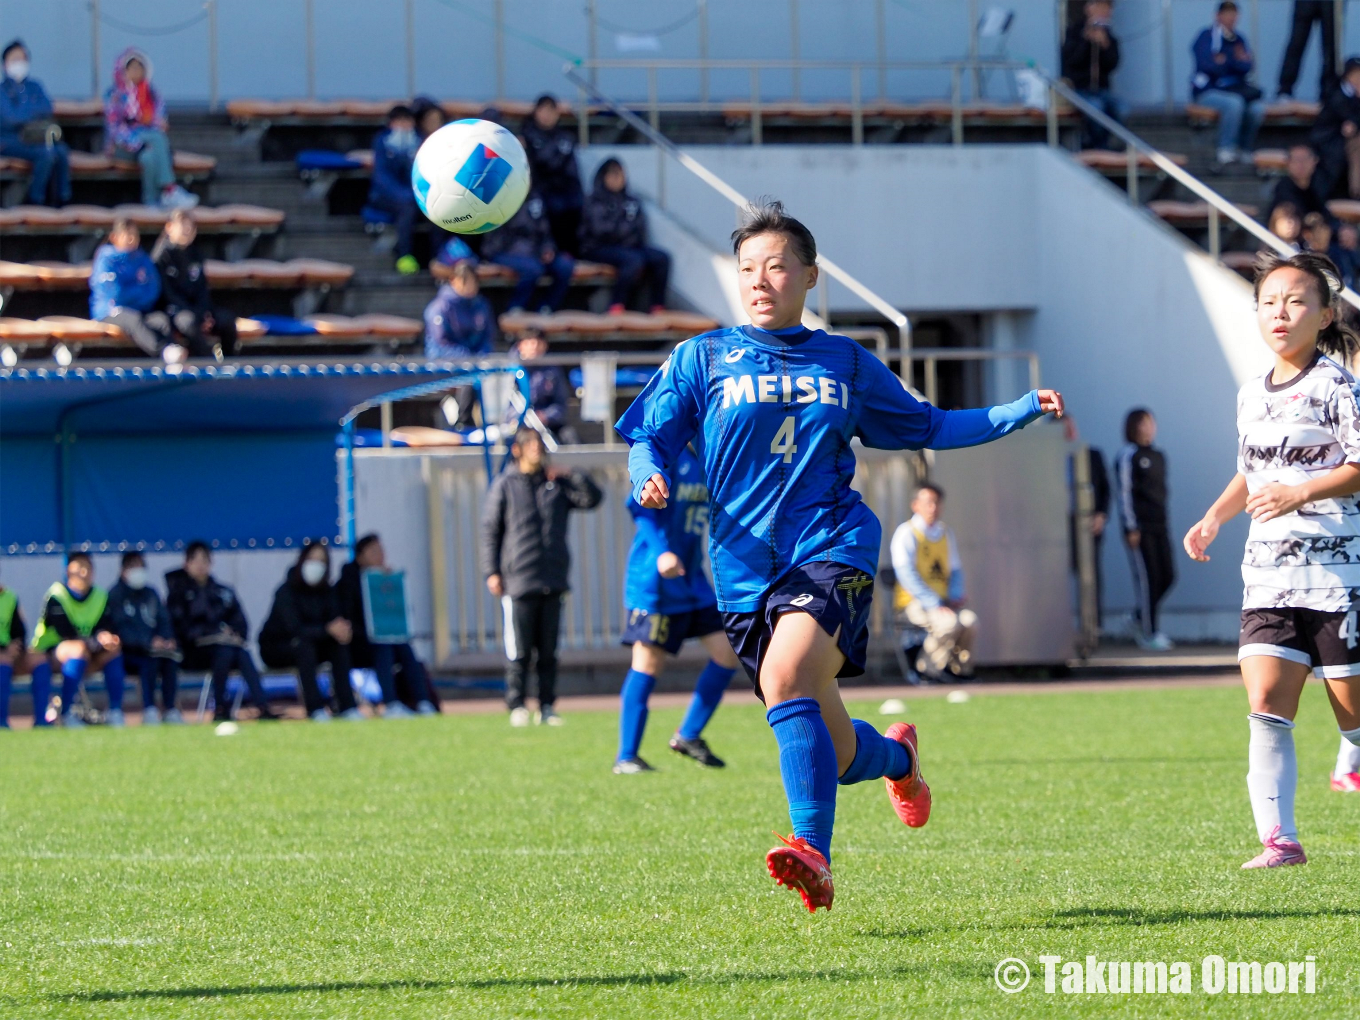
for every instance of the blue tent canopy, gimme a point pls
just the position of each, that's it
(110, 457)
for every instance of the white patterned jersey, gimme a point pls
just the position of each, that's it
(1289, 433)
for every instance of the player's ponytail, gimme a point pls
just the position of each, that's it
(1338, 340)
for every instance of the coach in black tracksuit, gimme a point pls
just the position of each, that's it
(525, 559)
(1141, 475)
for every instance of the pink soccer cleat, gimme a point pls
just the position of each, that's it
(798, 865)
(1277, 853)
(1349, 783)
(910, 796)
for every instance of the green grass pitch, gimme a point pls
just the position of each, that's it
(454, 867)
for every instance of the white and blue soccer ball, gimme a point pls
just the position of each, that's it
(470, 176)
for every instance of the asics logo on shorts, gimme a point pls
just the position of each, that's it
(734, 355)
(801, 600)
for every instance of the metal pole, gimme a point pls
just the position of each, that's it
(410, 47)
(500, 49)
(1033, 371)
(1087, 598)
(955, 103)
(703, 51)
(94, 49)
(212, 55)
(311, 48)
(881, 25)
(1168, 43)
(1215, 235)
(973, 47)
(931, 382)
(856, 107)
(1051, 118)
(1131, 173)
(1339, 38)
(756, 132)
(793, 47)
(350, 529)
(582, 118)
(592, 46)
(1256, 22)
(653, 113)
(385, 413)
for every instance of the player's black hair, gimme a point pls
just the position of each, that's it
(79, 556)
(547, 99)
(767, 216)
(132, 556)
(939, 492)
(1227, 5)
(364, 543)
(194, 548)
(1131, 422)
(1338, 339)
(400, 110)
(14, 44)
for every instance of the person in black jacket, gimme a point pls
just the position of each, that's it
(1336, 136)
(414, 687)
(142, 624)
(207, 331)
(1296, 188)
(306, 628)
(1090, 54)
(526, 560)
(614, 231)
(525, 244)
(211, 629)
(552, 166)
(1141, 473)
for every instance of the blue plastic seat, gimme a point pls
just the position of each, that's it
(325, 159)
(285, 325)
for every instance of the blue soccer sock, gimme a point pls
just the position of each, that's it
(637, 688)
(42, 692)
(72, 672)
(6, 680)
(875, 756)
(115, 682)
(708, 692)
(807, 761)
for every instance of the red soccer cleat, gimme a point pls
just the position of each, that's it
(1349, 783)
(910, 796)
(797, 865)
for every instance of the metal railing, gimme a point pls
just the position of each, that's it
(758, 100)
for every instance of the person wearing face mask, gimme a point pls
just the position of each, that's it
(307, 627)
(207, 331)
(142, 624)
(28, 132)
(394, 151)
(135, 128)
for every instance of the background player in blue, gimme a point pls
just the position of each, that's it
(668, 600)
(771, 409)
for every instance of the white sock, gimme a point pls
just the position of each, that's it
(1348, 758)
(1272, 775)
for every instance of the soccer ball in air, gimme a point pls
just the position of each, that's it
(470, 176)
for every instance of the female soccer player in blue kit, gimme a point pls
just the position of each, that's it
(771, 409)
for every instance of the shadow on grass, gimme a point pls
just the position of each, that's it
(568, 981)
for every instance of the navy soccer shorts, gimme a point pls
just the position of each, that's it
(834, 595)
(669, 631)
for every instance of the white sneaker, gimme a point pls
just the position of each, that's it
(426, 708)
(352, 715)
(175, 197)
(519, 716)
(71, 721)
(151, 716)
(396, 710)
(1161, 643)
(547, 717)
(320, 715)
(1226, 156)
(173, 717)
(115, 718)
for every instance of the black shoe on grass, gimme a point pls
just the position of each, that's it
(698, 750)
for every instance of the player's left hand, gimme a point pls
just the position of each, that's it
(668, 565)
(1051, 401)
(1275, 500)
(655, 492)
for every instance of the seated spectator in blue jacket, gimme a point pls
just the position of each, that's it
(614, 231)
(548, 388)
(135, 128)
(525, 244)
(207, 330)
(211, 629)
(551, 149)
(28, 132)
(411, 687)
(459, 322)
(142, 624)
(1222, 81)
(124, 288)
(394, 150)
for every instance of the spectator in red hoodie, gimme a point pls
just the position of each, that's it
(135, 127)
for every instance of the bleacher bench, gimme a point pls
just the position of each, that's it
(1292, 113)
(78, 112)
(628, 326)
(40, 219)
(929, 113)
(356, 111)
(248, 273)
(491, 274)
(189, 167)
(1114, 163)
(1189, 214)
(1345, 209)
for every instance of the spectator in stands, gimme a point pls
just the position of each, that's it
(551, 149)
(143, 626)
(135, 129)
(1090, 54)
(124, 288)
(381, 658)
(211, 629)
(614, 231)
(306, 628)
(1222, 82)
(525, 559)
(1296, 187)
(525, 244)
(78, 632)
(394, 150)
(1348, 237)
(206, 330)
(17, 659)
(1318, 236)
(454, 251)
(428, 115)
(459, 322)
(548, 388)
(925, 558)
(1336, 136)
(1286, 223)
(1305, 13)
(27, 130)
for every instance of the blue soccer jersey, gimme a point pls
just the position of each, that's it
(680, 528)
(772, 416)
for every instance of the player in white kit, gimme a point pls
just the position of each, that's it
(1298, 472)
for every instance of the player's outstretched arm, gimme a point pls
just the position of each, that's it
(1232, 502)
(658, 424)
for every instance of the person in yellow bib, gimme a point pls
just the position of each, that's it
(930, 590)
(17, 660)
(77, 632)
